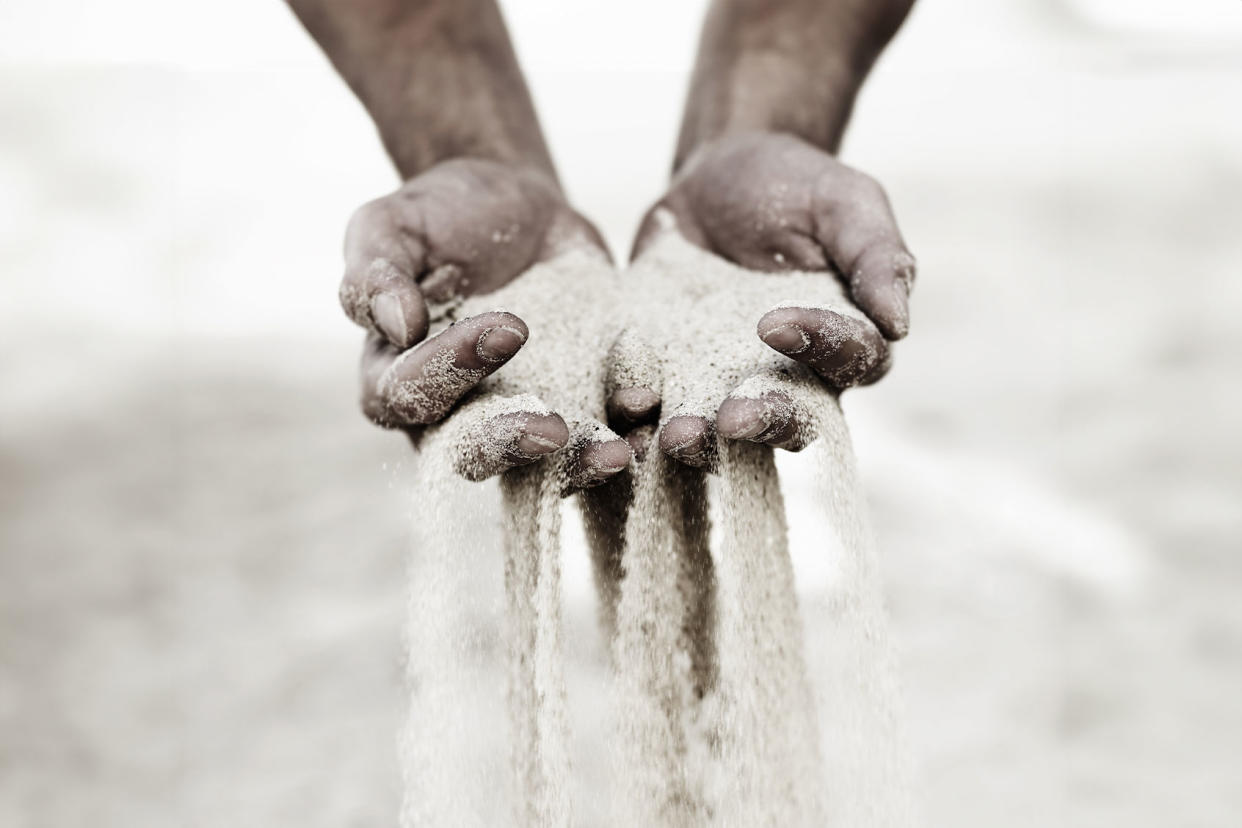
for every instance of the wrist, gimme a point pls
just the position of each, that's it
(433, 50)
(775, 93)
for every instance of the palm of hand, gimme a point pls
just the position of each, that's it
(772, 202)
(451, 244)
(711, 372)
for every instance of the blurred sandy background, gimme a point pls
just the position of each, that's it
(202, 544)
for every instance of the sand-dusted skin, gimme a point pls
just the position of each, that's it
(715, 719)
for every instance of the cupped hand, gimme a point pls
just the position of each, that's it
(550, 399)
(772, 202)
(690, 352)
(414, 258)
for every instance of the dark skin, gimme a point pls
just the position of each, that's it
(755, 181)
(480, 205)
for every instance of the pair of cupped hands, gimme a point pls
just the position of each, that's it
(598, 367)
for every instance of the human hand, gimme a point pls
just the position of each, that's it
(551, 395)
(709, 374)
(464, 228)
(772, 202)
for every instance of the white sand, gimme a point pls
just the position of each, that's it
(539, 739)
(663, 650)
(868, 771)
(770, 772)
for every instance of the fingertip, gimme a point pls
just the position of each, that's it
(789, 339)
(504, 319)
(844, 349)
(611, 456)
(506, 441)
(687, 438)
(885, 307)
(500, 336)
(881, 285)
(542, 434)
(633, 405)
(880, 370)
(772, 418)
(741, 418)
(639, 440)
(499, 344)
(401, 318)
(782, 329)
(599, 460)
(377, 357)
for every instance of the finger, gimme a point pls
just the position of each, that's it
(689, 438)
(855, 224)
(382, 262)
(772, 418)
(505, 441)
(775, 407)
(629, 407)
(596, 459)
(880, 285)
(633, 383)
(640, 439)
(377, 357)
(423, 383)
(844, 350)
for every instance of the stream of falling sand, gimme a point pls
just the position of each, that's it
(762, 717)
(663, 655)
(539, 735)
(851, 653)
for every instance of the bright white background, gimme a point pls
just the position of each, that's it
(202, 542)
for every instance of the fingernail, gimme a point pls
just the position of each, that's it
(499, 343)
(742, 410)
(532, 445)
(389, 317)
(751, 430)
(635, 402)
(788, 339)
(606, 465)
(691, 446)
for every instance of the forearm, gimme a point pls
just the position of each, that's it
(439, 78)
(790, 66)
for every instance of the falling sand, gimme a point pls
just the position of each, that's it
(715, 718)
